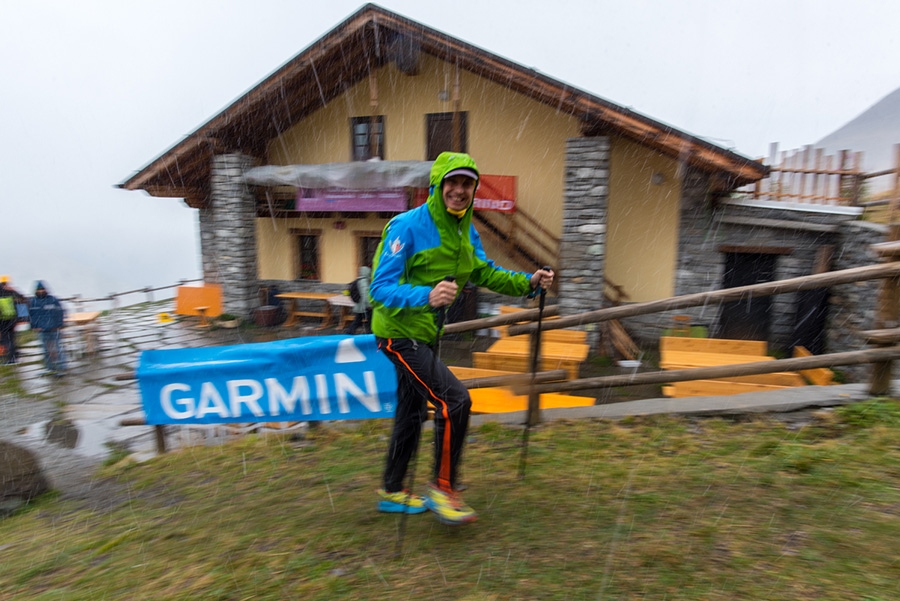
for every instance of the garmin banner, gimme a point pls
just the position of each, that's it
(301, 379)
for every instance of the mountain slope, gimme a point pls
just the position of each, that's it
(875, 132)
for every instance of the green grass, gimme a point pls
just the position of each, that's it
(645, 508)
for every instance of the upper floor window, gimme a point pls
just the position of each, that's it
(446, 132)
(367, 137)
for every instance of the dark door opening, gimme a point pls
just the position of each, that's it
(809, 324)
(748, 318)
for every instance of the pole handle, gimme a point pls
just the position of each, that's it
(442, 312)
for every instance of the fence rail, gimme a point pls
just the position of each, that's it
(881, 358)
(808, 175)
(113, 297)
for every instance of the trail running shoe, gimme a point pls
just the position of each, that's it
(448, 507)
(400, 502)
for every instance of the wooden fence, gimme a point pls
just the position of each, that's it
(808, 175)
(882, 357)
(112, 300)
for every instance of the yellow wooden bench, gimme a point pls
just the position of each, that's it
(502, 400)
(514, 354)
(712, 345)
(686, 353)
(680, 360)
(190, 299)
(714, 388)
(522, 363)
(821, 376)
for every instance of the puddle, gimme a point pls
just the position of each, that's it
(91, 439)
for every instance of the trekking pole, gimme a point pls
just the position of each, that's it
(441, 317)
(534, 399)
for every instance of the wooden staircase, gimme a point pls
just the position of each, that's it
(521, 236)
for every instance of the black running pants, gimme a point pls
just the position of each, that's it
(421, 378)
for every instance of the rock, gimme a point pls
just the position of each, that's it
(21, 477)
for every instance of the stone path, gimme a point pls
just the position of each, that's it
(96, 393)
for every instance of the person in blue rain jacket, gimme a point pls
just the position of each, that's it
(48, 317)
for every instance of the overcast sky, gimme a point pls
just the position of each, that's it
(94, 90)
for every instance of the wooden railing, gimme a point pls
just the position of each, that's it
(521, 236)
(810, 176)
(113, 298)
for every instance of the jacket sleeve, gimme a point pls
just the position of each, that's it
(494, 277)
(389, 287)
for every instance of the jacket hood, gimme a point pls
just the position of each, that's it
(444, 164)
(365, 272)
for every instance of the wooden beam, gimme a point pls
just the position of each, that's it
(720, 371)
(887, 249)
(781, 224)
(500, 320)
(806, 282)
(756, 250)
(883, 337)
(515, 379)
(174, 191)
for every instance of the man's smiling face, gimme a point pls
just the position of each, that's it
(458, 192)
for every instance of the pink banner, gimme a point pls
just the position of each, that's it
(342, 199)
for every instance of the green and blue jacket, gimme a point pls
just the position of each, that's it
(420, 248)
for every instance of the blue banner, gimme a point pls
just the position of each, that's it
(301, 379)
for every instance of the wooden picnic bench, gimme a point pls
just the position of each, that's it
(502, 399)
(677, 352)
(294, 312)
(513, 353)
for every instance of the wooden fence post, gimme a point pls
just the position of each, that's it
(888, 315)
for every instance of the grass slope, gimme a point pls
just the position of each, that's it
(650, 508)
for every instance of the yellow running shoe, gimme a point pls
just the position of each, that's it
(400, 502)
(448, 507)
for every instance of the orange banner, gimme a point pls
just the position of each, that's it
(494, 193)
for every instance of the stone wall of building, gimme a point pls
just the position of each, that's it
(852, 307)
(207, 227)
(583, 240)
(705, 228)
(230, 250)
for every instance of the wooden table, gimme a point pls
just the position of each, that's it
(294, 313)
(84, 322)
(344, 303)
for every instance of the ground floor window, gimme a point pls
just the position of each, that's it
(308, 257)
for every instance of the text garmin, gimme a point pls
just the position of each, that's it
(268, 398)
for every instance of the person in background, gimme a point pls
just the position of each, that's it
(48, 317)
(425, 256)
(362, 310)
(9, 317)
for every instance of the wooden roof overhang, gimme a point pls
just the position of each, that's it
(361, 44)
